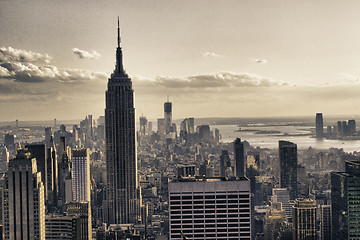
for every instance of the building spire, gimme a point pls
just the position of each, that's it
(118, 32)
(119, 69)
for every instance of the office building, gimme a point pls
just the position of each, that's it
(4, 159)
(9, 141)
(282, 195)
(64, 174)
(24, 204)
(161, 127)
(204, 133)
(274, 220)
(38, 151)
(80, 175)
(143, 126)
(304, 220)
(52, 174)
(82, 211)
(345, 202)
(288, 167)
(210, 208)
(325, 222)
(319, 126)
(352, 127)
(168, 116)
(122, 200)
(60, 227)
(239, 157)
(224, 162)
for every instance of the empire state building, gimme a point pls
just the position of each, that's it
(121, 203)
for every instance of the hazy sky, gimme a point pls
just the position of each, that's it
(213, 58)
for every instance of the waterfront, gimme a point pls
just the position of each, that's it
(229, 133)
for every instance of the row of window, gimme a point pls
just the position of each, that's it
(245, 225)
(188, 197)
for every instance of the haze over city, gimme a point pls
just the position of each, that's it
(231, 58)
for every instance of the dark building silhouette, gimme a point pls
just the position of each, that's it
(352, 127)
(168, 116)
(52, 174)
(224, 159)
(39, 152)
(9, 141)
(64, 171)
(239, 157)
(345, 202)
(122, 196)
(340, 127)
(288, 167)
(204, 132)
(319, 126)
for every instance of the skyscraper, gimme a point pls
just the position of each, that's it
(211, 208)
(224, 159)
(121, 204)
(288, 167)
(81, 175)
(304, 220)
(239, 156)
(325, 222)
(168, 116)
(319, 126)
(38, 151)
(24, 215)
(345, 202)
(64, 173)
(52, 173)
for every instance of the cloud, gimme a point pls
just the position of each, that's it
(27, 66)
(217, 80)
(10, 54)
(82, 54)
(211, 54)
(263, 61)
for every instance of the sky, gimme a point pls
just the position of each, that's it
(228, 58)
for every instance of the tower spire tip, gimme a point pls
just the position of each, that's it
(118, 32)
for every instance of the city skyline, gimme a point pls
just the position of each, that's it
(222, 55)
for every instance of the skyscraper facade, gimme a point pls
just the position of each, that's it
(24, 206)
(38, 151)
(211, 208)
(81, 175)
(325, 222)
(168, 116)
(319, 126)
(121, 204)
(304, 220)
(345, 202)
(288, 167)
(239, 156)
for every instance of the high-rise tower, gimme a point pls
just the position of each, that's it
(319, 126)
(239, 158)
(288, 167)
(24, 204)
(122, 194)
(168, 116)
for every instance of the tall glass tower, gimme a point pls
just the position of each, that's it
(121, 204)
(288, 167)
